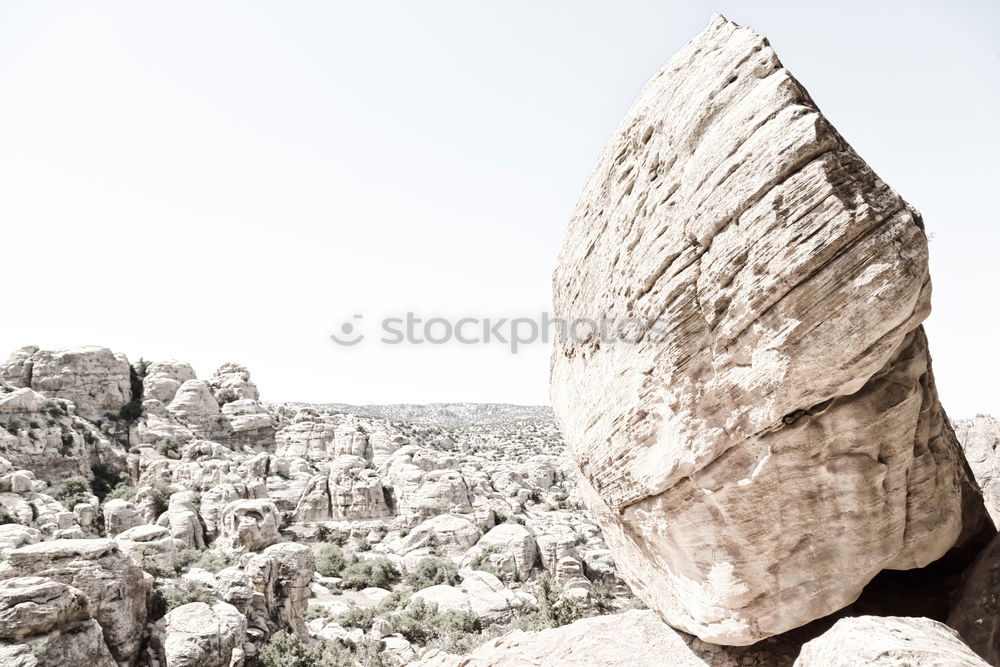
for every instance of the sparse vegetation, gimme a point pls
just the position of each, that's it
(431, 571)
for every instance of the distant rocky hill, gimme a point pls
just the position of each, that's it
(451, 415)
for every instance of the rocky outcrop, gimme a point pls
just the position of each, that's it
(195, 407)
(164, 378)
(181, 518)
(115, 586)
(46, 623)
(202, 635)
(636, 638)
(94, 379)
(980, 438)
(145, 543)
(510, 547)
(249, 525)
(279, 578)
(233, 380)
(887, 641)
(759, 434)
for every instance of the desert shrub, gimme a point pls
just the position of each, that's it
(332, 535)
(12, 425)
(330, 560)
(172, 593)
(357, 617)
(122, 491)
(421, 622)
(314, 613)
(364, 572)
(285, 649)
(159, 496)
(362, 544)
(155, 567)
(167, 447)
(226, 395)
(206, 559)
(71, 492)
(556, 608)
(104, 481)
(602, 597)
(54, 407)
(431, 571)
(483, 562)
(34, 424)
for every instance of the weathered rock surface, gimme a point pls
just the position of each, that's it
(45, 623)
(197, 634)
(249, 525)
(887, 641)
(975, 611)
(772, 439)
(980, 438)
(635, 638)
(115, 586)
(95, 379)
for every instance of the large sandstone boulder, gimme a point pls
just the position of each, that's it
(45, 623)
(757, 429)
(887, 641)
(196, 634)
(635, 638)
(116, 587)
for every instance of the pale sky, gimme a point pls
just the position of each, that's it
(214, 181)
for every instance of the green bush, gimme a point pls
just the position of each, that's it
(284, 649)
(71, 492)
(54, 408)
(172, 593)
(12, 425)
(206, 559)
(155, 567)
(421, 622)
(365, 572)
(227, 395)
(105, 480)
(332, 535)
(330, 560)
(431, 571)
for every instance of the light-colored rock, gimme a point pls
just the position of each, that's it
(635, 638)
(235, 378)
(778, 377)
(182, 519)
(452, 535)
(196, 634)
(164, 378)
(447, 598)
(195, 407)
(249, 525)
(116, 587)
(280, 577)
(887, 641)
(94, 379)
(119, 516)
(980, 438)
(44, 623)
(510, 547)
(250, 425)
(149, 542)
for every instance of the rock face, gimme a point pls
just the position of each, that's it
(249, 525)
(887, 641)
(202, 635)
(764, 436)
(636, 638)
(95, 379)
(980, 438)
(51, 623)
(114, 585)
(975, 612)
